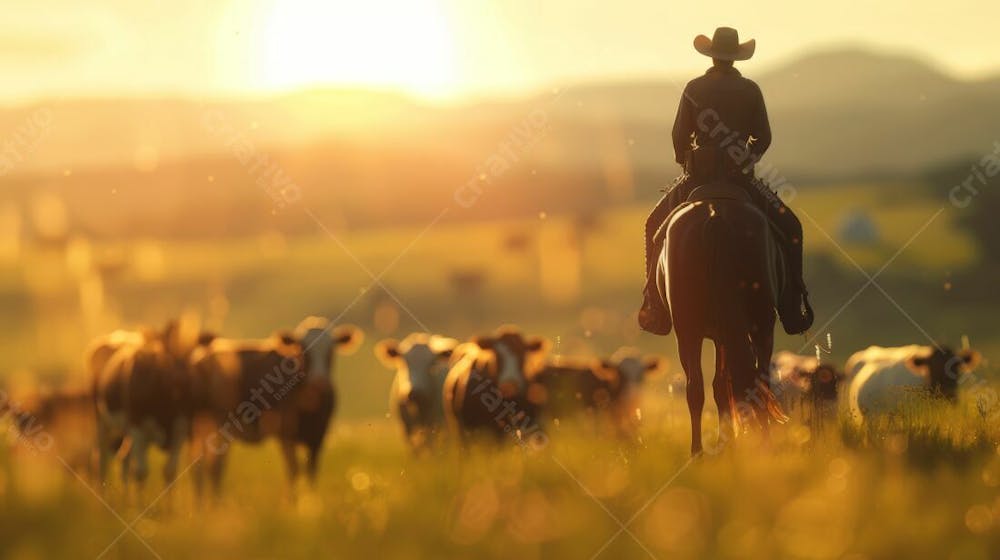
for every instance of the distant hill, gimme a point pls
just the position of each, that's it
(137, 163)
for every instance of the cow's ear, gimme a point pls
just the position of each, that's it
(287, 338)
(484, 342)
(537, 344)
(206, 338)
(387, 351)
(920, 361)
(606, 369)
(347, 338)
(655, 365)
(971, 359)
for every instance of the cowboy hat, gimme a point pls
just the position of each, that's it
(725, 45)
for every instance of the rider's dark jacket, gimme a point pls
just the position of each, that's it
(723, 115)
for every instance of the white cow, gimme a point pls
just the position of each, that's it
(421, 364)
(881, 378)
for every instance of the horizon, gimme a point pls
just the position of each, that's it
(495, 95)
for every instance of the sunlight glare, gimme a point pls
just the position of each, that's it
(376, 43)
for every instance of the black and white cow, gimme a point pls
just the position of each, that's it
(486, 390)
(882, 378)
(280, 387)
(420, 363)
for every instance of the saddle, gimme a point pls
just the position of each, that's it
(727, 190)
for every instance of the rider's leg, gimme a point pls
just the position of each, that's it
(794, 310)
(653, 223)
(653, 316)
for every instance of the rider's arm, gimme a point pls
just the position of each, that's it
(683, 127)
(761, 127)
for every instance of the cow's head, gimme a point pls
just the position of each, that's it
(943, 368)
(632, 367)
(319, 340)
(417, 361)
(514, 358)
(823, 382)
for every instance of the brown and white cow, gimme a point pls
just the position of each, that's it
(141, 395)
(883, 378)
(420, 364)
(806, 384)
(279, 387)
(611, 385)
(486, 390)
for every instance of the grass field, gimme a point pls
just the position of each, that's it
(922, 486)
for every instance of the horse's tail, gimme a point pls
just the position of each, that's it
(715, 240)
(720, 268)
(771, 403)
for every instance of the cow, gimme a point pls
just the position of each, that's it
(59, 420)
(882, 378)
(141, 395)
(607, 386)
(420, 365)
(486, 390)
(806, 384)
(279, 387)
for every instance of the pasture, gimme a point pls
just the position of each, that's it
(921, 484)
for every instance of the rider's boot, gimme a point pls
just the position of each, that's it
(793, 308)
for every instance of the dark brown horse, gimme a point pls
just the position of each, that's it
(718, 273)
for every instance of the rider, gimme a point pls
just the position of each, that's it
(721, 131)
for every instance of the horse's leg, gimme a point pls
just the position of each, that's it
(689, 349)
(722, 391)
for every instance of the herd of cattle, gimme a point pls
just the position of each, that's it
(179, 385)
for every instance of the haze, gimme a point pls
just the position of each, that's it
(444, 49)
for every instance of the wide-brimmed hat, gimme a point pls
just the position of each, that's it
(725, 45)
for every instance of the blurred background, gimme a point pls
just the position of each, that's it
(254, 162)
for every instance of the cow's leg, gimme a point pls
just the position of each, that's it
(291, 463)
(216, 465)
(138, 459)
(104, 451)
(689, 349)
(179, 428)
(312, 462)
(200, 432)
(722, 391)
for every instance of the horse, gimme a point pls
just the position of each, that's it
(719, 274)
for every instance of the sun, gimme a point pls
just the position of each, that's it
(370, 43)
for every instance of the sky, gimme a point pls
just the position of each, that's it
(445, 49)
